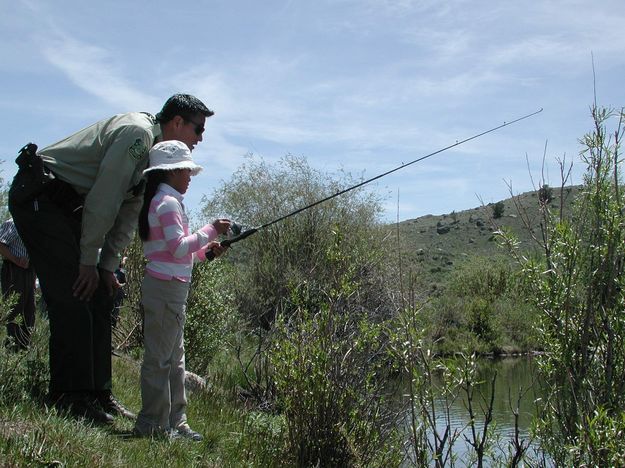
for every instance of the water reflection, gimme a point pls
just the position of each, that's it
(516, 386)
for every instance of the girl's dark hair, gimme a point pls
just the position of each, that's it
(154, 178)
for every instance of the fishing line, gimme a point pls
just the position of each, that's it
(240, 235)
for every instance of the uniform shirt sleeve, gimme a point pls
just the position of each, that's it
(7, 232)
(172, 220)
(118, 238)
(103, 214)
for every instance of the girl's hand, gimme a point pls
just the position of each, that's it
(216, 248)
(221, 225)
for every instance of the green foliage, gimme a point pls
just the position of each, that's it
(578, 287)
(4, 199)
(295, 250)
(210, 314)
(481, 310)
(263, 441)
(432, 387)
(480, 313)
(23, 374)
(128, 334)
(330, 385)
(498, 209)
(545, 194)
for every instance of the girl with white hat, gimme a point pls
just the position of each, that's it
(171, 251)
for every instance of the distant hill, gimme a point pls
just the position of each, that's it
(432, 246)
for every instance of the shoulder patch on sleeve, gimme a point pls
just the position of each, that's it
(137, 149)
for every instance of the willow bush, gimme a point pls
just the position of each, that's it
(295, 250)
(332, 383)
(311, 290)
(481, 309)
(578, 287)
(211, 315)
(128, 334)
(24, 375)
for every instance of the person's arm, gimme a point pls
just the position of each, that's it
(103, 208)
(103, 204)
(6, 253)
(216, 248)
(170, 217)
(121, 234)
(8, 236)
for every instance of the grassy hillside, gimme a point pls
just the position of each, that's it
(432, 245)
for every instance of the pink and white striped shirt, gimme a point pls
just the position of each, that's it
(170, 249)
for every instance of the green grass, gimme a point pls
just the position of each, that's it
(33, 435)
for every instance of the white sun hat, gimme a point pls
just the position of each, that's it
(170, 155)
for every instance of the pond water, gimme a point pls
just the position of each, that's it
(516, 385)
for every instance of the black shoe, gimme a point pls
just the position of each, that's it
(81, 406)
(111, 405)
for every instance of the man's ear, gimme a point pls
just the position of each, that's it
(178, 121)
(171, 127)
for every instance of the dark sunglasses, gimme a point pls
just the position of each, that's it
(199, 128)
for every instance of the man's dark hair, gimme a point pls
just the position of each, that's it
(184, 105)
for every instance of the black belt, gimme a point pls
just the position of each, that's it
(63, 195)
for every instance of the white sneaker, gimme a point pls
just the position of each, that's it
(185, 431)
(156, 433)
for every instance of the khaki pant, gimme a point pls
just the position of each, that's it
(162, 372)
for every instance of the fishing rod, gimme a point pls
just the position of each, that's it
(240, 234)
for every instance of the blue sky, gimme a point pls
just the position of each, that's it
(355, 85)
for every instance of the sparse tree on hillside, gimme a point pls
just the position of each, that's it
(498, 209)
(545, 194)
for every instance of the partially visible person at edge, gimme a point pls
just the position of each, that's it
(74, 230)
(170, 250)
(17, 276)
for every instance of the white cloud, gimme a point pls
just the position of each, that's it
(95, 70)
(357, 84)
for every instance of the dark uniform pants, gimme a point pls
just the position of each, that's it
(21, 319)
(80, 332)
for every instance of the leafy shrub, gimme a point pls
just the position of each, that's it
(210, 313)
(578, 288)
(545, 194)
(24, 375)
(480, 314)
(330, 384)
(128, 334)
(498, 209)
(296, 250)
(481, 310)
(485, 277)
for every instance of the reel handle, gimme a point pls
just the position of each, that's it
(228, 242)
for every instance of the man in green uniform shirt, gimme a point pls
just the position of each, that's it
(74, 231)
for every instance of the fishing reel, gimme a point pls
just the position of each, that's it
(235, 229)
(235, 233)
